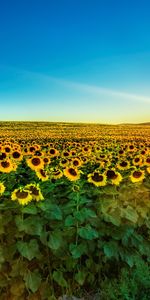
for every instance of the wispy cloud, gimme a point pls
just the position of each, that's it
(97, 90)
(87, 88)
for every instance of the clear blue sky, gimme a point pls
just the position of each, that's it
(75, 60)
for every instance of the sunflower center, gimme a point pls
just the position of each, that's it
(7, 149)
(75, 162)
(16, 154)
(38, 153)
(111, 174)
(63, 161)
(5, 164)
(121, 151)
(36, 161)
(56, 173)
(34, 190)
(2, 156)
(123, 164)
(66, 154)
(137, 174)
(148, 160)
(45, 159)
(21, 195)
(136, 159)
(72, 172)
(97, 177)
(32, 149)
(42, 173)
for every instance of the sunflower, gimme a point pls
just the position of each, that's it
(76, 162)
(35, 191)
(35, 162)
(137, 161)
(46, 160)
(53, 152)
(123, 165)
(57, 173)
(97, 178)
(137, 175)
(72, 173)
(114, 177)
(38, 153)
(65, 153)
(148, 170)
(16, 155)
(22, 195)
(31, 149)
(147, 161)
(84, 159)
(6, 166)
(63, 162)
(2, 188)
(7, 148)
(42, 174)
(86, 150)
(121, 152)
(3, 155)
(131, 148)
(73, 152)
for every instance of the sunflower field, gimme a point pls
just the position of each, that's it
(74, 211)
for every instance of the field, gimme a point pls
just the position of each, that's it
(74, 211)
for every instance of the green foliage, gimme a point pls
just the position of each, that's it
(28, 250)
(75, 240)
(59, 278)
(32, 280)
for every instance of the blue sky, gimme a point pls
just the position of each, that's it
(75, 60)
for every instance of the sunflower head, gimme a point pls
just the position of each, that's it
(42, 174)
(22, 195)
(2, 188)
(137, 175)
(114, 177)
(123, 165)
(97, 178)
(35, 191)
(35, 162)
(6, 166)
(16, 155)
(56, 174)
(72, 173)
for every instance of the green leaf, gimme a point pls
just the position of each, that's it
(113, 217)
(52, 211)
(84, 214)
(88, 232)
(130, 260)
(77, 250)
(130, 214)
(80, 277)
(2, 259)
(31, 225)
(111, 249)
(126, 235)
(33, 281)
(69, 221)
(30, 209)
(55, 240)
(56, 213)
(28, 250)
(58, 277)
